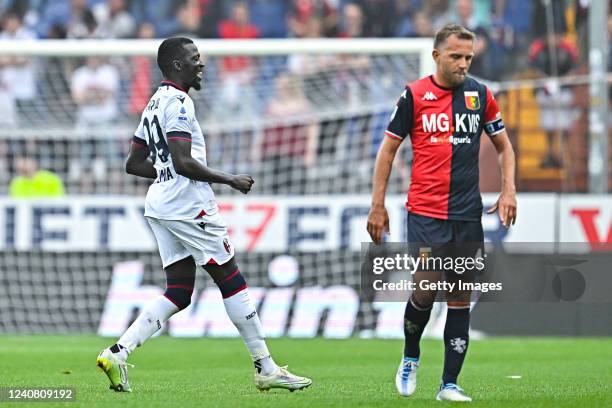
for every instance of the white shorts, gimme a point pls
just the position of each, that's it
(204, 239)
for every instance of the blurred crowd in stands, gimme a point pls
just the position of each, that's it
(504, 27)
(513, 37)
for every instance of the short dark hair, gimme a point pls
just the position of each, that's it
(169, 50)
(452, 29)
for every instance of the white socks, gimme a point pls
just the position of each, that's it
(266, 366)
(239, 309)
(150, 320)
(244, 316)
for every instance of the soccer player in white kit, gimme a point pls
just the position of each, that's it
(168, 146)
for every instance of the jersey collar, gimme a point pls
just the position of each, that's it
(165, 82)
(438, 85)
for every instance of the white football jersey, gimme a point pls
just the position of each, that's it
(172, 196)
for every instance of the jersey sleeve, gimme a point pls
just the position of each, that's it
(402, 117)
(493, 123)
(179, 114)
(139, 136)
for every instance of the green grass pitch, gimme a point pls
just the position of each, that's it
(170, 372)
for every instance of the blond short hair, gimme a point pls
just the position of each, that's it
(452, 29)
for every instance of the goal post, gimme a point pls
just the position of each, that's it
(261, 47)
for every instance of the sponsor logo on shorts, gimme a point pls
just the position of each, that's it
(251, 315)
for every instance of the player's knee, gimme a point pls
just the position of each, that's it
(423, 299)
(227, 277)
(231, 284)
(180, 296)
(459, 299)
(422, 302)
(219, 272)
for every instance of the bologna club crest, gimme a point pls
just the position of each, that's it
(472, 101)
(227, 246)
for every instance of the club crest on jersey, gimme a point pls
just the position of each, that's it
(472, 100)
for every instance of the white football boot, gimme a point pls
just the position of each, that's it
(405, 379)
(452, 392)
(282, 378)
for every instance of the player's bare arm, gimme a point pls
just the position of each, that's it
(187, 166)
(378, 219)
(506, 203)
(138, 162)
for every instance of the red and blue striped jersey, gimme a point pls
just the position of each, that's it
(444, 126)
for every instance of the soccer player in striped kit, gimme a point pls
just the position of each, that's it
(444, 115)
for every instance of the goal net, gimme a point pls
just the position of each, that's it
(305, 118)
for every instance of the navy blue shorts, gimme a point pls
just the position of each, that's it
(429, 236)
(434, 230)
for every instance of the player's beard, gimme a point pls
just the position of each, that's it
(454, 78)
(196, 82)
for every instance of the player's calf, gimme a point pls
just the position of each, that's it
(243, 314)
(179, 292)
(416, 316)
(456, 341)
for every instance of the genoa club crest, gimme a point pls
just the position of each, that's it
(472, 101)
